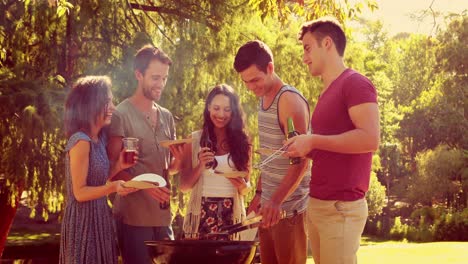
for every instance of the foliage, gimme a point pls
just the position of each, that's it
(438, 176)
(46, 45)
(426, 215)
(31, 144)
(422, 233)
(450, 122)
(373, 227)
(423, 221)
(310, 9)
(390, 159)
(398, 230)
(453, 227)
(376, 198)
(421, 82)
(425, 225)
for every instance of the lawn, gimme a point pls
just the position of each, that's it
(391, 252)
(372, 251)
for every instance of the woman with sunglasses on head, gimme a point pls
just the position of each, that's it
(222, 146)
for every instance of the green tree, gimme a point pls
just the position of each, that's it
(450, 122)
(46, 45)
(438, 177)
(376, 197)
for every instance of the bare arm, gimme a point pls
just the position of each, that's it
(79, 164)
(290, 105)
(189, 174)
(255, 203)
(242, 183)
(363, 139)
(177, 153)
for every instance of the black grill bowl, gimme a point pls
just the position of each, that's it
(201, 251)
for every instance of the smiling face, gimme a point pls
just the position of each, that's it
(256, 80)
(220, 111)
(153, 80)
(314, 54)
(109, 108)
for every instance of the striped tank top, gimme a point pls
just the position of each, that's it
(271, 136)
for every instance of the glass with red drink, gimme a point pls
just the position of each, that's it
(130, 148)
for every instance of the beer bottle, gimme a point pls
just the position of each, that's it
(208, 144)
(291, 133)
(165, 205)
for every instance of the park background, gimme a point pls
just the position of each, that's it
(419, 182)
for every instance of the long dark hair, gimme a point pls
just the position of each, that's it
(237, 139)
(85, 103)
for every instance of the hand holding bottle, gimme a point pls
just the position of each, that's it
(292, 133)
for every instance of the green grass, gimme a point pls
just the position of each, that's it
(398, 252)
(372, 250)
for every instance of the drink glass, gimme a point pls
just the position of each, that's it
(130, 147)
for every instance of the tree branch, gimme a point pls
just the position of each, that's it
(142, 28)
(101, 40)
(159, 28)
(170, 11)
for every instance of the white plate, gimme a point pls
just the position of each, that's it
(146, 181)
(167, 143)
(233, 174)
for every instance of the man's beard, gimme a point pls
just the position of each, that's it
(147, 93)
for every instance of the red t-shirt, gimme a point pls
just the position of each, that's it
(338, 176)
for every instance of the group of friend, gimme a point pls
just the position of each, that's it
(323, 203)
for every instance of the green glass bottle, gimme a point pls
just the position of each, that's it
(291, 133)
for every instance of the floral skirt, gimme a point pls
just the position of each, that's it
(216, 212)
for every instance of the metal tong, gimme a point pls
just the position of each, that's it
(249, 223)
(246, 224)
(272, 157)
(239, 227)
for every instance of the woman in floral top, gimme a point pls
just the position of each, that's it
(222, 146)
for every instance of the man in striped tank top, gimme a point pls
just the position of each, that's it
(282, 189)
(346, 132)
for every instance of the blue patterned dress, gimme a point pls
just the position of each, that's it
(87, 228)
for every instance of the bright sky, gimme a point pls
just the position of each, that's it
(396, 14)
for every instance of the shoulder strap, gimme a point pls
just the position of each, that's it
(289, 88)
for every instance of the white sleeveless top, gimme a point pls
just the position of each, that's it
(221, 189)
(215, 185)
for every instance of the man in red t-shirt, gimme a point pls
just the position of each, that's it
(346, 131)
